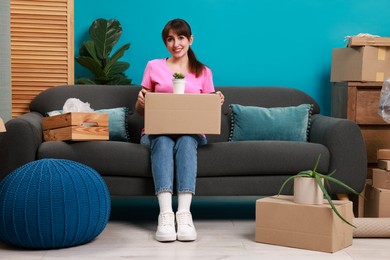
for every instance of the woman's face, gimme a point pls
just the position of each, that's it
(177, 45)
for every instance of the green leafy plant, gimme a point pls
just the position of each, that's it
(318, 177)
(95, 54)
(178, 76)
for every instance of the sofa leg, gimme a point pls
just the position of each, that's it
(342, 196)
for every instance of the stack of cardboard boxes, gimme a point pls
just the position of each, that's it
(377, 191)
(364, 59)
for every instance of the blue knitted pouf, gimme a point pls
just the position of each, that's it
(53, 203)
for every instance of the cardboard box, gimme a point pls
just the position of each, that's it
(377, 204)
(76, 126)
(372, 41)
(365, 63)
(381, 178)
(383, 154)
(182, 113)
(280, 221)
(384, 164)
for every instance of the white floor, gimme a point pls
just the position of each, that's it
(226, 230)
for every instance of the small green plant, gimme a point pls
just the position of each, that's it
(95, 54)
(327, 178)
(178, 76)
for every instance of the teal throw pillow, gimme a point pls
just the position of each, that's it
(117, 122)
(276, 123)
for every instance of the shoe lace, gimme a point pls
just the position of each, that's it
(184, 218)
(166, 219)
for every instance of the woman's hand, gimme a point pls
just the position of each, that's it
(219, 93)
(140, 105)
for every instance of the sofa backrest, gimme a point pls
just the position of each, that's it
(107, 96)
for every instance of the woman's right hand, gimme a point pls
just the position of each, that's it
(141, 97)
(140, 105)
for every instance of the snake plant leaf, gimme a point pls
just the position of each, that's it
(105, 34)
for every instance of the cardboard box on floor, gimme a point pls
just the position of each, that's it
(377, 204)
(182, 113)
(366, 63)
(381, 178)
(76, 126)
(280, 221)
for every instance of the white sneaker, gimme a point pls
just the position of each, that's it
(185, 227)
(166, 227)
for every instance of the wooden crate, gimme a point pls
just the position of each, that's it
(76, 126)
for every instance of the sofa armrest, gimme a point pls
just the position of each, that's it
(20, 143)
(346, 147)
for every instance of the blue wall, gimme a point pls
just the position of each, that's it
(245, 42)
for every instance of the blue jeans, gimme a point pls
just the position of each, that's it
(174, 154)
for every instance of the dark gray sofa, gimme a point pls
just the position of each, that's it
(224, 168)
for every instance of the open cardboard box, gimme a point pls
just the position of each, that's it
(182, 113)
(280, 221)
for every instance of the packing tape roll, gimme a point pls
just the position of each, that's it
(371, 227)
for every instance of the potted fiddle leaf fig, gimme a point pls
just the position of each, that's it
(318, 181)
(179, 83)
(95, 54)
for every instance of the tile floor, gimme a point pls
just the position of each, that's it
(225, 231)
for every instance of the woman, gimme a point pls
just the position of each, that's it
(175, 154)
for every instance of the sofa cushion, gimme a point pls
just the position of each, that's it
(109, 158)
(253, 158)
(277, 123)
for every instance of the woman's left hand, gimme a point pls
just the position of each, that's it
(219, 93)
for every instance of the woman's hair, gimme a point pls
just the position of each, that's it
(181, 27)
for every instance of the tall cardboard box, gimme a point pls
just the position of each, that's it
(182, 113)
(366, 63)
(76, 126)
(377, 204)
(280, 221)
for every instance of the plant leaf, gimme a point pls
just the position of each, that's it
(90, 48)
(329, 199)
(91, 64)
(299, 175)
(106, 34)
(85, 81)
(317, 162)
(119, 53)
(329, 178)
(116, 68)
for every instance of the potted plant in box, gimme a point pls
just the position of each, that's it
(318, 182)
(179, 83)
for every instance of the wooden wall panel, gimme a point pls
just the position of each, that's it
(42, 48)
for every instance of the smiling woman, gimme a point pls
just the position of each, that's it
(175, 154)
